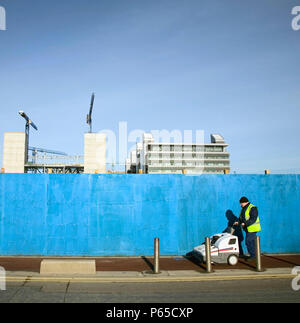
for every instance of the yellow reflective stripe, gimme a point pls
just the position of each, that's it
(247, 212)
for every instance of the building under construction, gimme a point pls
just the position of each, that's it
(19, 157)
(149, 157)
(176, 158)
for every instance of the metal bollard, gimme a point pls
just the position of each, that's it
(208, 255)
(156, 256)
(258, 254)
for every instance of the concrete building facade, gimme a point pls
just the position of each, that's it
(14, 152)
(94, 153)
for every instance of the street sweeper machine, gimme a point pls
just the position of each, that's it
(224, 249)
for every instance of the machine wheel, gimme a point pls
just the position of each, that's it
(232, 260)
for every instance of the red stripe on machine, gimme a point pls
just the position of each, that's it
(222, 250)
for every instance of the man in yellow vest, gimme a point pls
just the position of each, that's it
(249, 220)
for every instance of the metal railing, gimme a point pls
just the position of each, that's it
(56, 160)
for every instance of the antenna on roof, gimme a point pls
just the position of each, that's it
(89, 116)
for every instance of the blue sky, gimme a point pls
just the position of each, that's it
(228, 67)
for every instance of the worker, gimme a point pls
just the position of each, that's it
(249, 220)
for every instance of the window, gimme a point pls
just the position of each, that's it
(232, 241)
(165, 148)
(187, 148)
(199, 148)
(214, 239)
(155, 148)
(178, 148)
(219, 149)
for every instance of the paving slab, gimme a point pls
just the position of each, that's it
(68, 266)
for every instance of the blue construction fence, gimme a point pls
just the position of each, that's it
(120, 215)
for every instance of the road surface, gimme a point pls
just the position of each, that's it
(262, 290)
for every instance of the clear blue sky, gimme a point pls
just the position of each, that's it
(229, 67)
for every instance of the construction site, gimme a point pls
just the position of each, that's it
(19, 157)
(150, 157)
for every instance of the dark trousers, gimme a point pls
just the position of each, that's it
(250, 243)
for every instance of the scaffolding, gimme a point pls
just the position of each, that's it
(54, 162)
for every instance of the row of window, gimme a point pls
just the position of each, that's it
(185, 163)
(180, 148)
(185, 156)
(172, 171)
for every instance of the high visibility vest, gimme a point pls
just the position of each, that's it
(256, 226)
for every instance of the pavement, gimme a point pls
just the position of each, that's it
(140, 269)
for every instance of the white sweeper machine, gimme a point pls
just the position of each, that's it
(224, 249)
